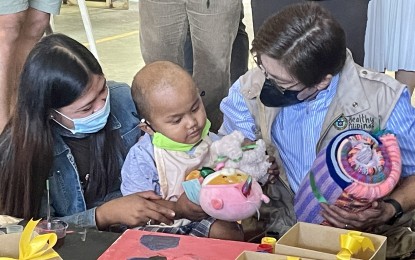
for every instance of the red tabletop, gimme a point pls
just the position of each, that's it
(129, 246)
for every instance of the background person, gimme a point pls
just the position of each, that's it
(22, 23)
(239, 55)
(213, 26)
(351, 14)
(389, 41)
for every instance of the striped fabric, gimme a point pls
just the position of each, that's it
(355, 169)
(390, 37)
(297, 129)
(306, 205)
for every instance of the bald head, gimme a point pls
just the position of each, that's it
(153, 79)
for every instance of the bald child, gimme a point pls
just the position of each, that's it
(176, 141)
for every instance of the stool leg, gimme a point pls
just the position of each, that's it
(51, 27)
(88, 27)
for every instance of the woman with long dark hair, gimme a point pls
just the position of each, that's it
(73, 128)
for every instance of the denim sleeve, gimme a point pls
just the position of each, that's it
(85, 219)
(139, 171)
(402, 123)
(236, 115)
(123, 108)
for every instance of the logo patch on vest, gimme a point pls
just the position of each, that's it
(363, 122)
(340, 123)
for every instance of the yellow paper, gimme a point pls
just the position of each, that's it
(35, 248)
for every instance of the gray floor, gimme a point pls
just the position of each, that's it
(116, 36)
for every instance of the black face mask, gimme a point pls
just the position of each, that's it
(271, 97)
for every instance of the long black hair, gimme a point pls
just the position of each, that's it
(55, 74)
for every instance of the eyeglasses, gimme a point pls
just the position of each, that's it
(273, 81)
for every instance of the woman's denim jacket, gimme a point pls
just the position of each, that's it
(66, 194)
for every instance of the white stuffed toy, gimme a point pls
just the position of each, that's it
(230, 152)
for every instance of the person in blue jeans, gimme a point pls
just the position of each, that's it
(73, 128)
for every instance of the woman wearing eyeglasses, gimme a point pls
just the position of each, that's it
(306, 90)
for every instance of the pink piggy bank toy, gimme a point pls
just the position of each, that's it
(231, 195)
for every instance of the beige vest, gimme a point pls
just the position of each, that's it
(366, 102)
(172, 167)
(363, 100)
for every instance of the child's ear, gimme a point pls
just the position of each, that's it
(145, 127)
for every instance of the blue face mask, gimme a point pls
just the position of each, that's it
(90, 124)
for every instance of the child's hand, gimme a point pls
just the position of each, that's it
(273, 170)
(187, 209)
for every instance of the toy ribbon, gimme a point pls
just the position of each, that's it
(315, 190)
(351, 243)
(36, 248)
(222, 158)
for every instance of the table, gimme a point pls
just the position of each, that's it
(95, 244)
(131, 246)
(110, 245)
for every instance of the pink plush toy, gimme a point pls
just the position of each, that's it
(231, 195)
(232, 191)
